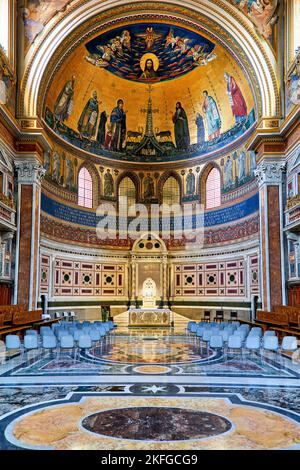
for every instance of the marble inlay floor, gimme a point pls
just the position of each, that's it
(149, 390)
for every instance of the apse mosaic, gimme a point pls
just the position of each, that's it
(150, 92)
(150, 53)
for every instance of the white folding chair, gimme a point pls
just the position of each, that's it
(216, 342)
(31, 343)
(49, 342)
(289, 343)
(13, 343)
(270, 343)
(234, 344)
(66, 343)
(253, 343)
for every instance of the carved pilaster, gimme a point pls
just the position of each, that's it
(270, 175)
(30, 174)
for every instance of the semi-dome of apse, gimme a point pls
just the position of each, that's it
(151, 92)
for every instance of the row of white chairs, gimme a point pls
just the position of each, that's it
(236, 336)
(251, 342)
(61, 336)
(227, 328)
(192, 325)
(242, 330)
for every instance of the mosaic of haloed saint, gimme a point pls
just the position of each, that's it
(150, 53)
(150, 92)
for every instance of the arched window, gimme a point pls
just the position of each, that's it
(213, 189)
(171, 191)
(127, 193)
(85, 188)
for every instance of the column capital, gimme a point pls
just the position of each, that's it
(5, 236)
(270, 173)
(30, 171)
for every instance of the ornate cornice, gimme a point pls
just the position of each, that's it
(270, 173)
(281, 139)
(56, 248)
(73, 234)
(293, 201)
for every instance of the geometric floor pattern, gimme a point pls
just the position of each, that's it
(150, 390)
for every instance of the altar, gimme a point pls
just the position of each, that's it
(159, 317)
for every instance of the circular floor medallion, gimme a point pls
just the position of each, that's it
(156, 424)
(153, 351)
(152, 369)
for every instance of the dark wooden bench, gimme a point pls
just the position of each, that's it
(46, 322)
(271, 319)
(21, 320)
(292, 312)
(285, 330)
(247, 322)
(13, 330)
(25, 321)
(7, 312)
(284, 320)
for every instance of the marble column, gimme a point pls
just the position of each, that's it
(270, 178)
(51, 292)
(165, 283)
(30, 173)
(133, 284)
(171, 284)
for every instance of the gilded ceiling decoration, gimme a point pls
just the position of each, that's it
(37, 13)
(261, 12)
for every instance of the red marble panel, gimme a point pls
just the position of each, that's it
(36, 251)
(25, 245)
(264, 293)
(274, 246)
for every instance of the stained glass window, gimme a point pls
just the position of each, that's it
(85, 188)
(213, 189)
(171, 191)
